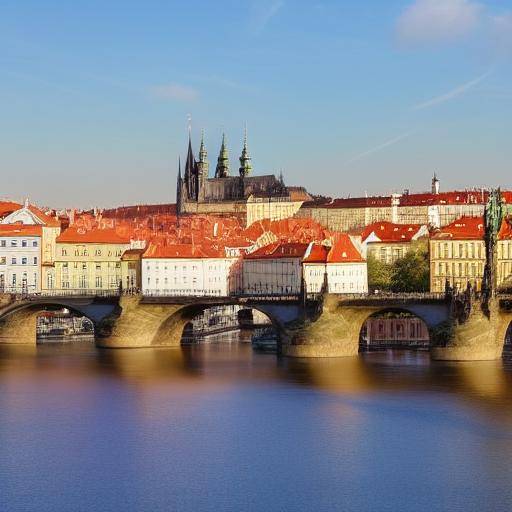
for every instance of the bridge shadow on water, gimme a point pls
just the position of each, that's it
(231, 365)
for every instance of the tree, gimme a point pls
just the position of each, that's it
(412, 272)
(379, 274)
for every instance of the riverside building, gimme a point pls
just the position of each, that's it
(20, 258)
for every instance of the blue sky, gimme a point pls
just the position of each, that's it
(342, 96)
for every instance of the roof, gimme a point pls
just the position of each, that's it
(181, 251)
(93, 236)
(390, 232)
(464, 228)
(47, 220)
(342, 250)
(7, 207)
(13, 230)
(279, 250)
(132, 254)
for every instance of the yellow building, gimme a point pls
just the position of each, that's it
(457, 255)
(89, 260)
(504, 254)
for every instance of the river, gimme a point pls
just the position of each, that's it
(219, 427)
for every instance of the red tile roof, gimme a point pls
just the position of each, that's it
(389, 232)
(505, 232)
(279, 250)
(94, 236)
(465, 228)
(7, 207)
(342, 250)
(182, 251)
(13, 230)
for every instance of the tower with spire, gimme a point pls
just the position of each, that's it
(222, 170)
(202, 170)
(435, 184)
(245, 160)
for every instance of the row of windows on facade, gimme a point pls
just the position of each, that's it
(85, 252)
(461, 250)
(83, 282)
(458, 269)
(14, 243)
(14, 261)
(211, 268)
(98, 266)
(14, 279)
(337, 272)
(183, 280)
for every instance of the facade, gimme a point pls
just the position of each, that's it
(388, 242)
(457, 255)
(339, 262)
(504, 254)
(245, 196)
(435, 208)
(88, 260)
(20, 258)
(274, 269)
(50, 227)
(184, 269)
(131, 269)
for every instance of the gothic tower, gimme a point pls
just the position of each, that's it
(202, 170)
(191, 180)
(222, 170)
(245, 160)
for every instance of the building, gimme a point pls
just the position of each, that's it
(20, 258)
(504, 254)
(243, 195)
(457, 255)
(88, 260)
(274, 269)
(434, 209)
(131, 269)
(185, 269)
(388, 242)
(50, 226)
(340, 262)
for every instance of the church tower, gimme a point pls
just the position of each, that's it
(435, 185)
(191, 181)
(245, 160)
(202, 170)
(222, 170)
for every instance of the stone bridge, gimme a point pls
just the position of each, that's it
(327, 327)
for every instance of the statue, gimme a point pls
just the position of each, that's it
(492, 219)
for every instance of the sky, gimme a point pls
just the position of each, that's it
(344, 97)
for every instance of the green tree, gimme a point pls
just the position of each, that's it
(412, 272)
(379, 274)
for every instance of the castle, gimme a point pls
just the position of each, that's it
(248, 197)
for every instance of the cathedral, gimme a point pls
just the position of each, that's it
(244, 195)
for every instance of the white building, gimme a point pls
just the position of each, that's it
(50, 229)
(274, 269)
(20, 258)
(340, 261)
(181, 269)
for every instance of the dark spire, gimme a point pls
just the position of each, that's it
(222, 169)
(245, 159)
(190, 163)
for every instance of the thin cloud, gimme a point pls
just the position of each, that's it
(380, 147)
(174, 92)
(262, 17)
(438, 21)
(454, 93)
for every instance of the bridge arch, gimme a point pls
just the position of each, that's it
(171, 329)
(18, 321)
(394, 327)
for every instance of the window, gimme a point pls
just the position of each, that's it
(23, 243)
(14, 243)
(98, 282)
(2, 243)
(34, 243)
(64, 252)
(2, 260)
(98, 266)
(13, 261)
(23, 261)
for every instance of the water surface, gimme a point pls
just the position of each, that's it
(217, 427)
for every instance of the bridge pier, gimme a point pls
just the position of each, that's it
(142, 325)
(20, 328)
(479, 337)
(334, 333)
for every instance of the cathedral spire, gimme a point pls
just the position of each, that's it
(203, 155)
(222, 169)
(245, 159)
